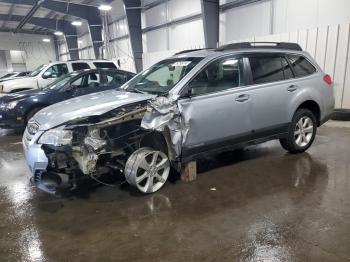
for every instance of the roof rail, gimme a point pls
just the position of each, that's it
(272, 45)
(191, 50)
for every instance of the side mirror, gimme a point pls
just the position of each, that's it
(47, 75)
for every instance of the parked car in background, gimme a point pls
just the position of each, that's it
(14, 75)
(16, 109)
(45, 74)
(181, 109)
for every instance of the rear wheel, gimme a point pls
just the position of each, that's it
(301, 133)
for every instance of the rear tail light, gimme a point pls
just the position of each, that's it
(328, 79)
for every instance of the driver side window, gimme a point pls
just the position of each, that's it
(87, 80)
(56, 71)
(220, 75)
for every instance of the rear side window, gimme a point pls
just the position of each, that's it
(288, 72)
(266, 69)
(301, 66)
(104, 65)
(80, 66)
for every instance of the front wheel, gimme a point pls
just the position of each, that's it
(301, 133)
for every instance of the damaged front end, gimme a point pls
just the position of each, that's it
(134, 140)
(97, 145)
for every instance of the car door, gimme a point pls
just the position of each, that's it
(272, 89)
(52, 73)
(217, 113)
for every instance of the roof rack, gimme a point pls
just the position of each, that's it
(272, 45)
(191, 50)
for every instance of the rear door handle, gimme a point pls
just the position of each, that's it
(292, 88)
(242, 98)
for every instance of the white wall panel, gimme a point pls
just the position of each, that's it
(341, 63)
(155, 16)
(186, 36)
(246, 21)
(182, 8)
(156, 40)
(321, 46)
(36, 51)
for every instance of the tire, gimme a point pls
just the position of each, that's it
(32, 112)
(301, 132)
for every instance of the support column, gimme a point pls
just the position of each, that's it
(210, 10)
(72, 44)
(133, 15)
(96, 37)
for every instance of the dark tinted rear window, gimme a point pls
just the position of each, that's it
(266, 69)
(104, 65)
(288, 73)
(80, 66)
(301, 66)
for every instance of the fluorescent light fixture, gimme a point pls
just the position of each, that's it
(58, 33)
(46, 40)
(104, 7)
(77, 23)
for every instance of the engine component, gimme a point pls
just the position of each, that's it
(147, 169)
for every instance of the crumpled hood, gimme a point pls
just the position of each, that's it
(85, 106)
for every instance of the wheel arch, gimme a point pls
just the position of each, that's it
(159, 140)
(313, 106)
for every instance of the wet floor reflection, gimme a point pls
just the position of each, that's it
(267, 206)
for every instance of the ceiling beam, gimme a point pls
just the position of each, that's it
(29, 15)
(70, 32)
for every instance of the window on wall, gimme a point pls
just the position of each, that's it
(301, 66)
(266, 69)
(220, 75)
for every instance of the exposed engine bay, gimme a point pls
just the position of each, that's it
(133, 140)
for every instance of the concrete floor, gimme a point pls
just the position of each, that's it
(257, 204)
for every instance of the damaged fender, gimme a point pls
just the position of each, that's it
(162, 114)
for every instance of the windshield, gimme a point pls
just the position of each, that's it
(36, 71)
(163, 76)
(60, 82)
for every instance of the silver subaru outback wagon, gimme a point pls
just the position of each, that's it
(182, 108)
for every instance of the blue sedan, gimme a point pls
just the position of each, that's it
(16, 109)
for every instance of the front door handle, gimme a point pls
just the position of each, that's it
(242, 98)
(292, 88)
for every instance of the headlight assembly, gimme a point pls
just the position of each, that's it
(56, 137)
(11, 105)
(8, 106)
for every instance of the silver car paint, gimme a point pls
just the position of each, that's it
(197, 120)
(89, 105)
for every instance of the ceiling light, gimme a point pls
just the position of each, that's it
(104, 7)
(58, 33)
(77, 23)
(46, 40)
(80, 41)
